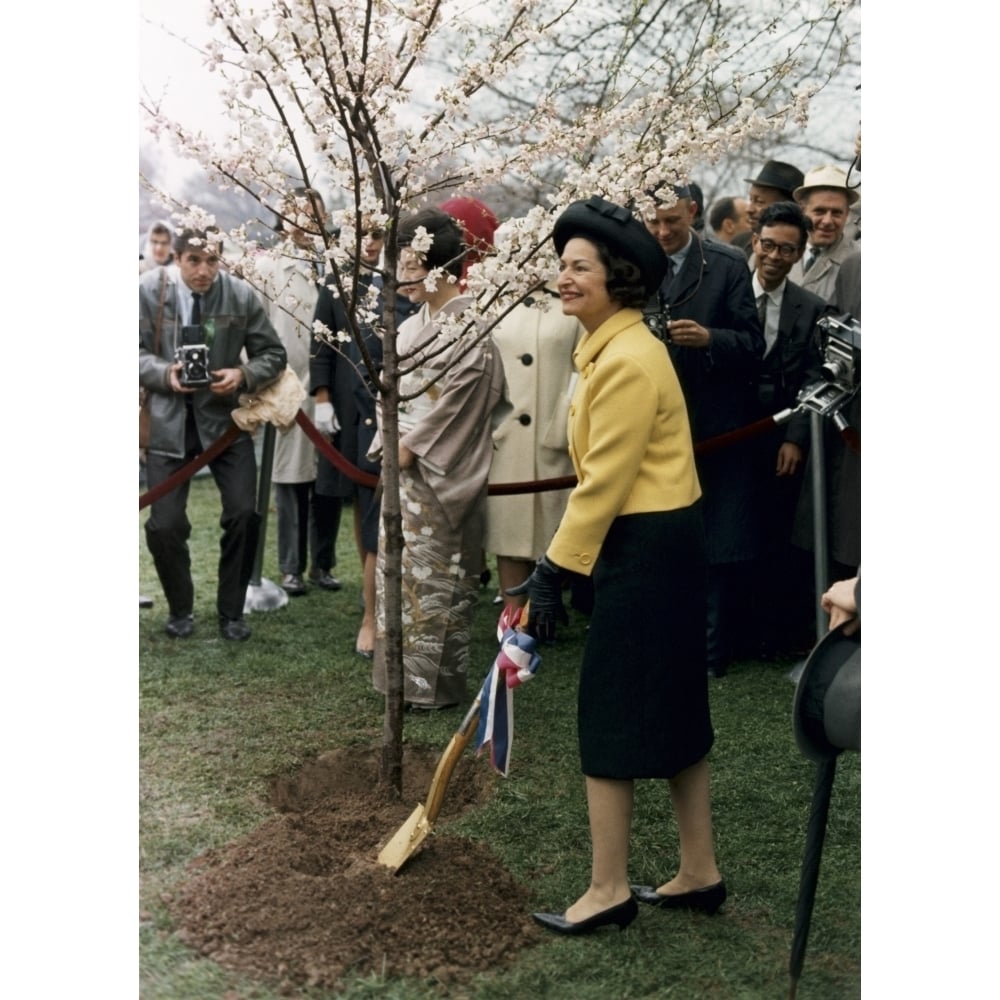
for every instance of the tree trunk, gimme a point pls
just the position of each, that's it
(391, 762)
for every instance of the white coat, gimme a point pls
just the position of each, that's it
(290, 290)
(536, 343)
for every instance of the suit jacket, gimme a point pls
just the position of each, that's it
(794, 360)
(847, 289)
(714, 289)
(822, 276)
(235, 322)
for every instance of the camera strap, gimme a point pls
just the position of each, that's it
(157, 330)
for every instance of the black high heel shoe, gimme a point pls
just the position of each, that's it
(707, 900)
(623, 914)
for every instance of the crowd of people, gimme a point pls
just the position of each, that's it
(737, 310)
(640, 368)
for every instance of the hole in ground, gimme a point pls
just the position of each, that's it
(301, 900)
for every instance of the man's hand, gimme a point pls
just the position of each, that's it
(406, 457)
(174, 376)
(789, 459)
(838, 602)
(544, 590)
(688, 333)
(226, 381)
(326, 420)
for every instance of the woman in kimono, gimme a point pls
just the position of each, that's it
(445, 448)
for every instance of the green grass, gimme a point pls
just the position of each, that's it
(218, 720)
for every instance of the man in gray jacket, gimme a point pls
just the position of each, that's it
(193, 301)
(826, 200)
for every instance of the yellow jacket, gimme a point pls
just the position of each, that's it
(629, 438)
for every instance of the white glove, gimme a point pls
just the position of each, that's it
(326, 420)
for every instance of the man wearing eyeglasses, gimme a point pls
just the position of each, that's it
(791, 359)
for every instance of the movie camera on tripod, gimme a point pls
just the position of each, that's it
(840, 340)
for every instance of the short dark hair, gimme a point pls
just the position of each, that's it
(625, 283)
(722, 209)
(785, 213)
(160, 228)
(197, 239)
(447, 248)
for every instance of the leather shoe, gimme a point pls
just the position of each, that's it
(180, 626)
(292, 584)
(623, 914)
(323, 579)
(234, 629)
(707, 900)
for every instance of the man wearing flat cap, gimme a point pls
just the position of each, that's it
(826, 201)
(716, 343)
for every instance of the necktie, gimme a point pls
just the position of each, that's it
(196, 309)
(811, 256)
(670, 273)
(762, 302)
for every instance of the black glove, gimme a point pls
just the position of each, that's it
(544, 590)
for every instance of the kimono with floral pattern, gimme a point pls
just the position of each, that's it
(448, 427)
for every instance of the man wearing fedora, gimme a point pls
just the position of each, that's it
(775, 182)
(826, 201)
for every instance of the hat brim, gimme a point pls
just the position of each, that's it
(619, 231)
(852, 196)
(831, 654)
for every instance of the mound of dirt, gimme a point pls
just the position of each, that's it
(302, 900)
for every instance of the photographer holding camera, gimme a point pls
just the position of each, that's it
(195, 321)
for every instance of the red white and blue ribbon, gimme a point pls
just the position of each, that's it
(516, 663)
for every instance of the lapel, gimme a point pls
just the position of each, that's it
(815, 274)
(690, 272)
(788, 318)
(592, 344)
(171, 313)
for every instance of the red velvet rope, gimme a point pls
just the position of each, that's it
(183, 474)
(850, 436)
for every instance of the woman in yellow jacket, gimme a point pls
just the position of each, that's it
(634, 523)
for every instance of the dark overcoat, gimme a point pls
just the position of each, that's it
(713, 288)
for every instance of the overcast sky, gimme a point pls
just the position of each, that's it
(171, 71)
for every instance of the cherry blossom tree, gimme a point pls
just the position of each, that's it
(392, 104)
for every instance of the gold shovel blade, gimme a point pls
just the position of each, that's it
(406, 840)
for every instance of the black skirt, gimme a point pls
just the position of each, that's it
(643, 706)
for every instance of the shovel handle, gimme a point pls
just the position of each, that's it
(446, 765)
